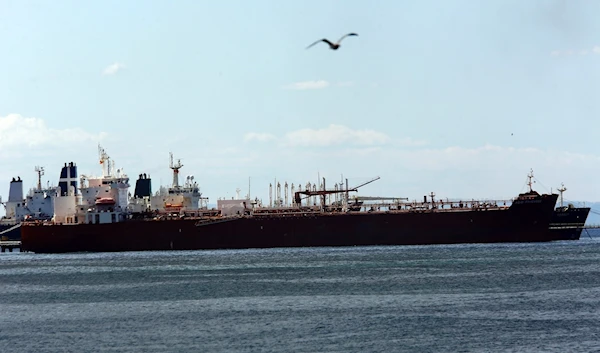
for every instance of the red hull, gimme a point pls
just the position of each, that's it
(524, 221)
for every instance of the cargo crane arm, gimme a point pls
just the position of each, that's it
(365, 183)
(309, 193)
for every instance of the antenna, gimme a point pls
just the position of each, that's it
(40, 172)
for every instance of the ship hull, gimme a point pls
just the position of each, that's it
(567, 223)
(10, 232)
(525, 221)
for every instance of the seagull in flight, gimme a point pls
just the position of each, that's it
(333, 46)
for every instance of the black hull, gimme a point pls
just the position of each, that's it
(6, 233)
(567, 223)
(567, 233)
(524, 221)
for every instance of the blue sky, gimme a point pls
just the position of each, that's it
(457, 97)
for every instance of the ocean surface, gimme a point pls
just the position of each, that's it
(450, 298)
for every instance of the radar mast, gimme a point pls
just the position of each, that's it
(40, 172)
(561, 190)
(175, 168)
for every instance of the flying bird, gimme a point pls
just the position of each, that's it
(333, 46)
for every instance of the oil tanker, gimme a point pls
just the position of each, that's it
(102, 218)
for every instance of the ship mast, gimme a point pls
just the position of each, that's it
(175, 168)
(529, 182)
(561, 190)
(40, 172)
(105, 161)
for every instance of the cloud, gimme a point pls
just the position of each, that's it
(571, 52)
(308, 85)
(331, 136)
(334, 135)
(261, 137)
(112, 69)
(17, 132)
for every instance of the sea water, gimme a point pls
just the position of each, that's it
(542, 297)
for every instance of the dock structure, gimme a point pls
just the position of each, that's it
(10, 245)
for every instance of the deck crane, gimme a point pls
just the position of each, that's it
(324, 192)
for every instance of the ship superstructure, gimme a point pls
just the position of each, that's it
(101, 199)
(178, 198)
(106, 198)
(38, 204)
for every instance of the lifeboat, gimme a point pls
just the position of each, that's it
(105, 201)
(173, 205)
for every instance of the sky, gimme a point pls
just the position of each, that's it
(461, 98)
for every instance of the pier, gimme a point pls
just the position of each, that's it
(10, 245)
